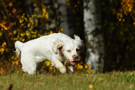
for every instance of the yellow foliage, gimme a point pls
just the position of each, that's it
(51, 32)
(50, 68)
(3, 26)
(47, 63)
(82, 67)
(1, 50)
(22, 34)
(27, 33)
(100, 79)
(91, 70)
(134, 23)
(86, 66)
(28, 24)
(127, 8)
(10, 4)
(4, 44)
(14, 11)
(1, 70)
(44, 11)
(20, 20)
(79, 67)
(127, 5)
(60, 31)
(16, 62)
(91, 86)
(46, 15)
(17, 71)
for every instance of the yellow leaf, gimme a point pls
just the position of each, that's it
(0, 33)
(130, 74)
(22, 34)
(31, 27)
(2, 50)
(16, 62)
(13, 63)
(131, 86)
(44, 11)
(27, 33)
(14, 32)
(10, 4)
(133, 23)
(88, 71)
(20, 20)
(91, 86)
(23, 40)
(91, 70)
(100, 79)
(110, 73)
(12, 57)
(50, 68)
(119, 19)
(17, 71)
(47, 63)
(81, 62)
(3, 26)
(46, 15)
(68, 4)
(4, 44)
(1, 70)
(79, 67)
(26, 19)
(51, 32)
(14, 11)
(86, 66)
(28, 24)
(41, 83)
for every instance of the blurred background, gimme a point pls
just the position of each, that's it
(107, 28)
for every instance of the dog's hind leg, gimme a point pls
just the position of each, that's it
(28, 64)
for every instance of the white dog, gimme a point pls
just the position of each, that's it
(59, 48)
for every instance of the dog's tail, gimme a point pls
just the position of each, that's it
(18, 46)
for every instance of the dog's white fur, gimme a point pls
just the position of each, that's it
(59, 48)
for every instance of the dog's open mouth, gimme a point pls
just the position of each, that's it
(73, 62)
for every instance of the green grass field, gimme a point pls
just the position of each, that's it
(107, 81)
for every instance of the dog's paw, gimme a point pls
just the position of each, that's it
(62, 69)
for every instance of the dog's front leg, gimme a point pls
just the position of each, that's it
(59, 66)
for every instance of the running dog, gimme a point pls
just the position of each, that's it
(59, 48)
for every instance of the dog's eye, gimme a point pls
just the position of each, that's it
(69, 51)
(77, 50)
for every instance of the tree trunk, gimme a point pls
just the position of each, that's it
(94, 46)
(64, 24)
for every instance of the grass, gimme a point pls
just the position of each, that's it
(107, 81)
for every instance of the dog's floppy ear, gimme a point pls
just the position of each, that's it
(57, 45)
(76, 37)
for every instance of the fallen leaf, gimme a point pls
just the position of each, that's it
(100, 79)
(91, 86)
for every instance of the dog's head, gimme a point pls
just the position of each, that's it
(69, 49)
